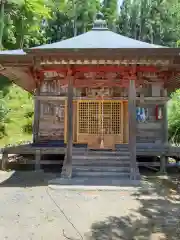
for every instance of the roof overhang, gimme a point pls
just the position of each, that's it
(21, 77)
(16, 60)
(18, 66)
(134, 52)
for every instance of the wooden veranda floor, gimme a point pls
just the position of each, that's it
(59, 148)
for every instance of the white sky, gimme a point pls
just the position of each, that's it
(120, 2)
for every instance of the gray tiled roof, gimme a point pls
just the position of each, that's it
(13, 52)
(98, 39)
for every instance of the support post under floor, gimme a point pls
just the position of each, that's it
(4, 161)
(38, 160)
(163, 163)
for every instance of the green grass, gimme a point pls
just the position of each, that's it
(19, 104)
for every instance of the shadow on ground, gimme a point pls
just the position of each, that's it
(27, 179)
(24, 175)
(158, 218)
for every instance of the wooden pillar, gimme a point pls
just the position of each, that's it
(163, 157)
(38, 160)
(36, 116)
(67, 166)
(165, 125)
(163, 162)
(4, 161)
(132, 127)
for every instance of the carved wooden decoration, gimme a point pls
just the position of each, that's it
(52, 121)
(105, 76)
(53, 87)
(99, 92)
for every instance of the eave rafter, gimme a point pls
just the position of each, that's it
(21, 76)
(16, 60)
(107, 75)
(50, 61)
(28, 71)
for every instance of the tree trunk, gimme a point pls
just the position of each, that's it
(75, 19)
(75, 28)
(2, 2)
(21, 42)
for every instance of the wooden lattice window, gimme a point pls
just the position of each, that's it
(97, 116)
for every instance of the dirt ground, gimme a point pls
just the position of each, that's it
(30, 210)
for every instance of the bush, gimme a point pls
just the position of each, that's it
(174, 118)
(3, 116)
(3, 109)
(27, 128)
(29, 114)
(2, 130)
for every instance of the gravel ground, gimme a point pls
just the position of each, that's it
(31, 210)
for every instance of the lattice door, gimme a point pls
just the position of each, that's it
(111, 117)
(97, 117)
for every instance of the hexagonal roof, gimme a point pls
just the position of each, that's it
(98, 38)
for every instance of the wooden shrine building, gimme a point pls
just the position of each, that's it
(98, 96)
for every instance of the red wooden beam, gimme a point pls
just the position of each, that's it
(109, 68)
(100, 83)
(59, 69)
(100, 68)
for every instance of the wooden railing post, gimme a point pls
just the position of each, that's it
(36, 116)
(38, 160)
(132, 127)
(4, 160)
(165, 125)
(67, 166)
(164, 158)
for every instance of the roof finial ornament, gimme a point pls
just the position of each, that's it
(99, 23)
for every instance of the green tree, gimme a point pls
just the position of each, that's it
(21, 22)
(174, 117)
(3, 5)
(154, 21)
(82, 13)
(3, 115)
(110, 10)
(27, 19)
(70, 18)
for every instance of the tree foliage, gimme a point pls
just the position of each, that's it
(3, 115)
(26, 23)
(21, 22)
(110, 10)
(174, 117)
(153, 21)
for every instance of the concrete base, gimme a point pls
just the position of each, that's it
(66, 170)
(95, 183)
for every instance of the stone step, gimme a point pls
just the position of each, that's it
(120, 147)
(100, 157)
(79, 149)
(100, 174)
(101, 153)
(101, 163)
(100, 149)
(105, 162)
(101, 168)
(101, 183)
